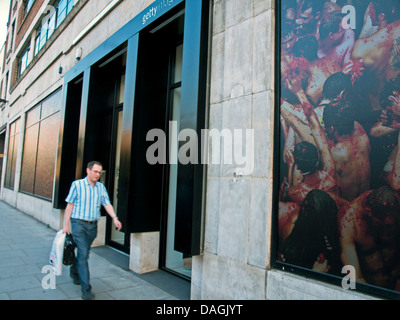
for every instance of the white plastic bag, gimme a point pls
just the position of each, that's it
(56, 253)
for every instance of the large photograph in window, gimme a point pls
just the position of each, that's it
(40, 147)
(339, 172)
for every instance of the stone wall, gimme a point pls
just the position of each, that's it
(238, 211)
(236, 259)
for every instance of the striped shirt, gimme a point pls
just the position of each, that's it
(87, 200)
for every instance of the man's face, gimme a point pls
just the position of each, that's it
(338, 36)
(94, 173)
(386, 228)
(305, 19)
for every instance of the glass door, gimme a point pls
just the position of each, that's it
(117, 239)
(175, 261)
(2, 144)
(117, 236)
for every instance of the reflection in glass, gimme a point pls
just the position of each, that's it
(29, 159)
(122, 89)
(175, 260)
(116, 235)
(12, 154)
(33, 116)
(51, 105)
(178, 64)
(46, 156)
(40, 147)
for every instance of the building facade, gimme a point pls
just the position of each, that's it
(187, 105)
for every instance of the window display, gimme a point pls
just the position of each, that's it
(339, 162)
(40, 147)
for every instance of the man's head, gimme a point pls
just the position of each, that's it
(384, 11)
(331, 28)
(336, 86)
(308, 13)
(306, 157)
(288, 18)
(382, 213)
(93, 171)
(339, 118)
(318, 216)
(288, 37)
(319, 206)
(306, 47)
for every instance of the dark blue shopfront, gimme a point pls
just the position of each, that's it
(150, 72)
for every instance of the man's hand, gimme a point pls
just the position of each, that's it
(67, 218)
(117, 223)
(110, 210)
(322, 266)
(294, 85)
(66, 229)
(395, 99)
(389, 119)
(355, 69)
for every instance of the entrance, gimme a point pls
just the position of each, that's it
(159, 106)
(117, 237)
(148, 197)
(114, 238)
(104, 132)
(174, 261)
(2, 144)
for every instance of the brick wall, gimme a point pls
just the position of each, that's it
(24, 22)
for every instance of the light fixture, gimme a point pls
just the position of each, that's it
(78, 54)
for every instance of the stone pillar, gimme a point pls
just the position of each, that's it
(144, 254)
(101, 233)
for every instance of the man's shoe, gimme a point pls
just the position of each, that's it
(87, 295)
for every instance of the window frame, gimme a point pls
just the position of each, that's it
(52, 23)
(28, 6)
(39, 123)
(23, 61)
(13, 161)
(379, 292)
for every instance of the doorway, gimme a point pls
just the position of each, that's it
(114, 238)
(117, 236)
(161, 58)
(173, 260)
(157, 106)
(2, 144)
(104, 132)
(144, 194)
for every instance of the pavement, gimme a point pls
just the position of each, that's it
(25, 245)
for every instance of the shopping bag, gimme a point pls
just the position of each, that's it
(69, 250)
(57, 252)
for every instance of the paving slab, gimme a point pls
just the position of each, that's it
(25, 245)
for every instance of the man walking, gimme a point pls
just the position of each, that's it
(85, 198)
